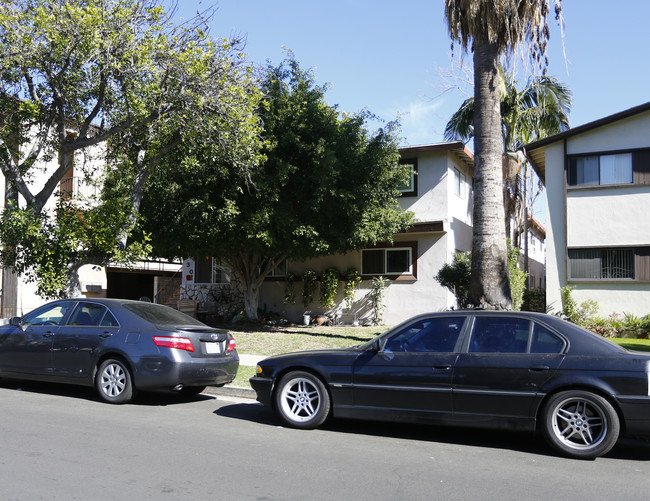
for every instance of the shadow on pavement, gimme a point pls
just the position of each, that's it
(89, 393)
(628, 448)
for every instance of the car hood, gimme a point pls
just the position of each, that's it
(311, 354)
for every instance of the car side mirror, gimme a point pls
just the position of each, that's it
(379, 350)
(16, 322)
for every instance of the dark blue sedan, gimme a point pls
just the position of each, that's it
(119, 346)
(507, 370)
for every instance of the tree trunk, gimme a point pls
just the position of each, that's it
(489, 283)
(251, 300)
(73, 289)
(251, 268)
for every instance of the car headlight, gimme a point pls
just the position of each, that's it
(259, 370)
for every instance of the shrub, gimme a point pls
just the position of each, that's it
(352, 279)
(517, 277)
(289, 291)
(376, 299)
(535, 300)
(309, 278)
(577, 314)
(329, 285)
(455, 277)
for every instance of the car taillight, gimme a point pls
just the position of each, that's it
(231, 345)
(181, 343)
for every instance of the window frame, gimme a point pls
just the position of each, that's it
(639, 261)
(640, 168)
(410, 274)
(460, 183)
(531, 342)
(425, 327)
(215, 266)
(282, 274)
(412, 190)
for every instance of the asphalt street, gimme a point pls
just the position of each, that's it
(62, 443)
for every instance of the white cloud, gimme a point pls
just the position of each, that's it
(424, 122)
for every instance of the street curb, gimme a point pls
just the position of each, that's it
(231, 391)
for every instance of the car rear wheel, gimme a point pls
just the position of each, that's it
(113, 381)
(580, 424)
(302, 400)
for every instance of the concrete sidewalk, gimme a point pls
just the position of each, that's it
(237, 391)
(250, 360)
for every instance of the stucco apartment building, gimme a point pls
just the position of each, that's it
(440, 196)
(83, 182)
(597, 179)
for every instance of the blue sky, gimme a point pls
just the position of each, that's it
(390, 57)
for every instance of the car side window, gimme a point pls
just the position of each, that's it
(92, 314)
(499, 335)
(437, 335)
(544, 341)
(109, 320)
(51, 315)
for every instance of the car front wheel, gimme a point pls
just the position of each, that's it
(302, 400)
(580, 424)
(113, 382)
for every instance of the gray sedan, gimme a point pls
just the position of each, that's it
(119, 346)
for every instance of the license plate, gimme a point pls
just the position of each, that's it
(212, 347)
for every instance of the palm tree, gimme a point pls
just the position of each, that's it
(538, 110)
(491, 29)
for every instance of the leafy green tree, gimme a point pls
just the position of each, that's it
(492, 29)
(327, 186)
(113, 81)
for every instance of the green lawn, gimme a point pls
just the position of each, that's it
(244, 373)
(267, 341)
(633, 344)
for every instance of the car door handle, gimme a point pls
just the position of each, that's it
(105, 334)
(48, 334)
(539, 368)
(442, 367)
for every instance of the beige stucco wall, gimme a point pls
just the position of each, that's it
(608, 216)
(436, 201)
(555, 226)
(403, 298)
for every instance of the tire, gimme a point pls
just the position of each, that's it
(580, 424)
(190, 391)
(302, 400)
(114, 382)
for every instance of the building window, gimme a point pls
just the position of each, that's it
(280, 270)
(208, 270)
(600, 170)
(410, 187)
(602, 264)
(388, 261)
(459, 183)
(531, 281)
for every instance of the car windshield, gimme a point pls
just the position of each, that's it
(160, 315)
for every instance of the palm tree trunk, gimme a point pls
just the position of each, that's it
(489, 283)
